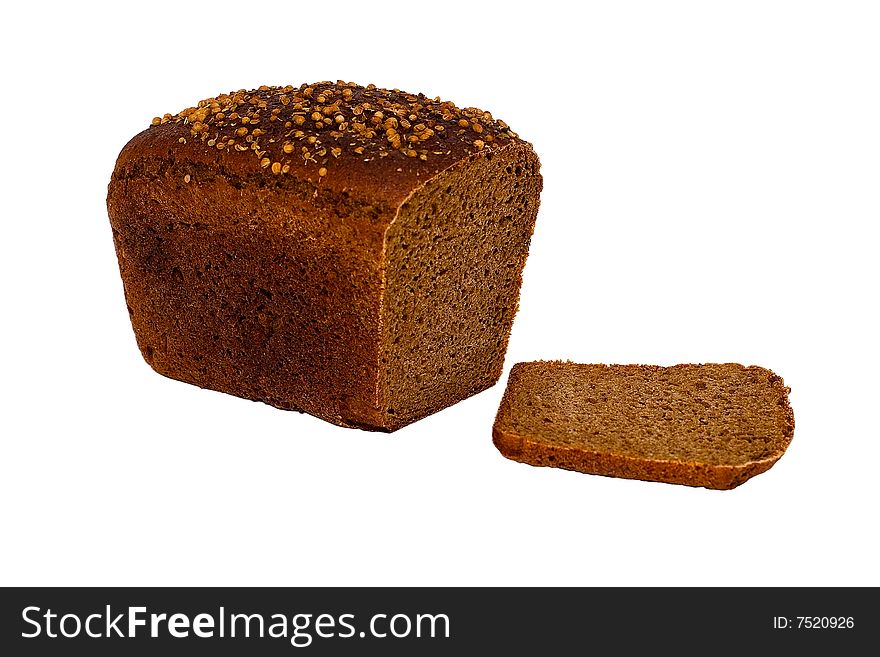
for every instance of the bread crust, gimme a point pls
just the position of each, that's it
(367, 164)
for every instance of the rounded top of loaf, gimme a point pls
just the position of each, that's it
(338, 135)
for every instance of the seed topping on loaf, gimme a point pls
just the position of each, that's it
(316, 124)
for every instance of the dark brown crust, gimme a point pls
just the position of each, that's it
(388, 178)
(209, 285)
(383, 184)
(532, 451)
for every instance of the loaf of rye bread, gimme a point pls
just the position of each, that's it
(351, 252)
(714, 426)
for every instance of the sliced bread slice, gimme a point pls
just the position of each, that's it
(714, 425)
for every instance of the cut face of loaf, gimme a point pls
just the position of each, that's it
(361, 269)
(714, 426)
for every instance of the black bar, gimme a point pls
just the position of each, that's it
(541, 621)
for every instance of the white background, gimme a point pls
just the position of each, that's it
(711, 194)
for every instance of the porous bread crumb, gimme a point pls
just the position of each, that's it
(713, 425)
